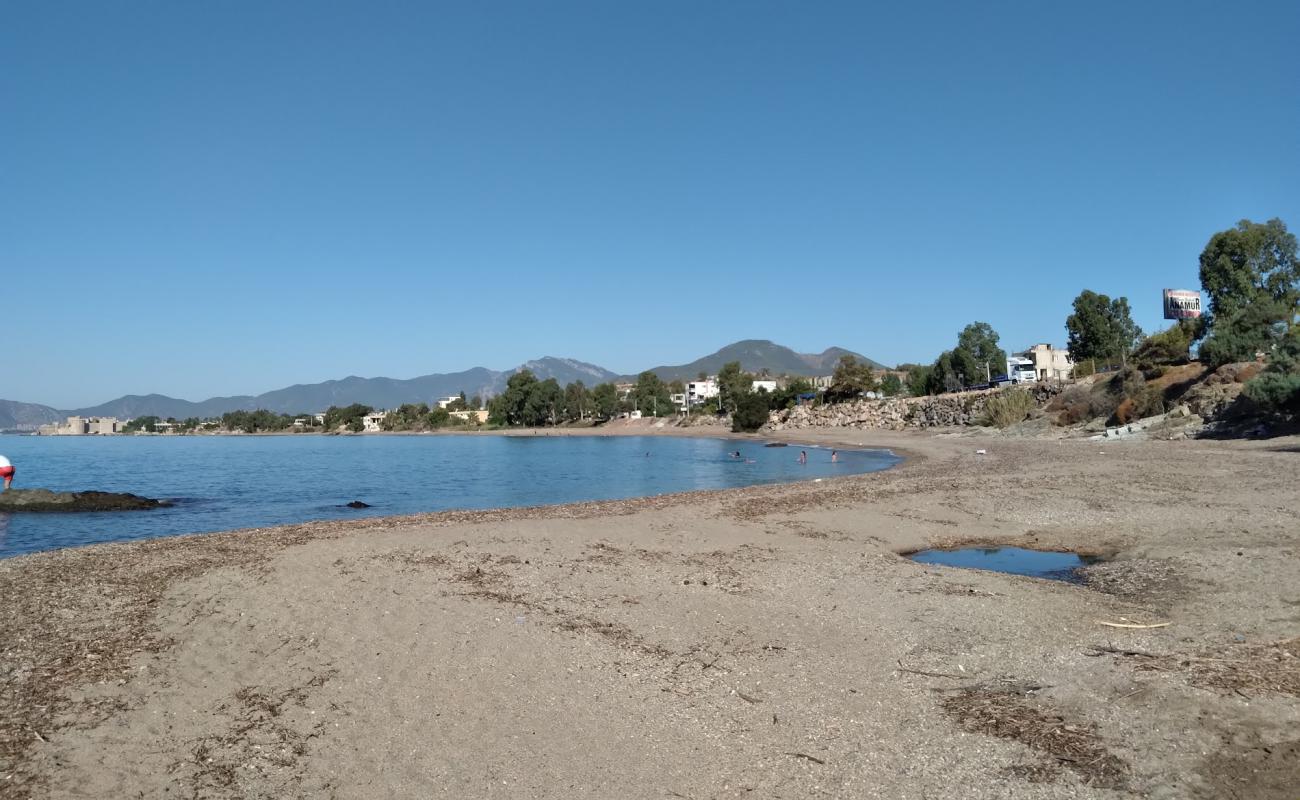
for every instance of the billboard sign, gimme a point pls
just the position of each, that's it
(1182, 304)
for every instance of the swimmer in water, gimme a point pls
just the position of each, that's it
(803, 456)
(835, 456)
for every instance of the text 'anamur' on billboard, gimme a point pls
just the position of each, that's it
(1182, 304)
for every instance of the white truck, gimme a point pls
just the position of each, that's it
(1021, 370)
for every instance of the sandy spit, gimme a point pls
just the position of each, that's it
(760, 642)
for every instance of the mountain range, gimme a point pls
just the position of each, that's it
(754, 355)
(757, 355)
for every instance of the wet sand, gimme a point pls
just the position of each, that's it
(759, 642)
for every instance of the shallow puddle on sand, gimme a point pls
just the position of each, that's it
(1014, 560)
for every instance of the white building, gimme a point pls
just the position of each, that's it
(1050, 363)
(699, 391)
(443, 402)
(374, 421)
(765, 385)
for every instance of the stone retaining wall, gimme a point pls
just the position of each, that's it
(899, 413)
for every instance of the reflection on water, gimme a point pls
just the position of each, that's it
(1055, 566)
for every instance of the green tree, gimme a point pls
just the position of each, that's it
(851, 379)
(651, 395)
(407, 417)
(1251, 274)
(1241, 333)
(1250, 263)
(891, 385)
(1173, 345)
(733, 384)
(543, 404)
(1277, 388)
(350, 416)
(604, 400)
(788, 396)
(146, 424)
(918, 378)
(751, 412)
(977, 355)
(254, 421)
(1101, 328)
(508, 408)
(577, 401)
(947, 374)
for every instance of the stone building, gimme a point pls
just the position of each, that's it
(1050, 363)
(84, 426)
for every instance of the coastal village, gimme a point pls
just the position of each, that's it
(1040, 363)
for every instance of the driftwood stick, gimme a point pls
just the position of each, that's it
(1098, 650)
(902, 668)
(1133, 624)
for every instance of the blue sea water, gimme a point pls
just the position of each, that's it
(227, 482)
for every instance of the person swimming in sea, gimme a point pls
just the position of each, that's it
(835, 456)
(803, 456)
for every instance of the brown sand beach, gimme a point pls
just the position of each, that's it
(752, 643)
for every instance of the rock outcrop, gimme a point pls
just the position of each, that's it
(899, 413)
(44, 500)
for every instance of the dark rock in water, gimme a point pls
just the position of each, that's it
(776, 444)
(358, 504)
(43, 500)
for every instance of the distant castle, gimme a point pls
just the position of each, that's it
(83, 426)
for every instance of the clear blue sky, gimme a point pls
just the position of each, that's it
(226, 198)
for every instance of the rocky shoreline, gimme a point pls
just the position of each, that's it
(900, 413)
(45, 501)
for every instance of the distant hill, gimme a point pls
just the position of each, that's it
(160, 405)
(755, 355)
(377, 392)
(564, 370)
(26, 416)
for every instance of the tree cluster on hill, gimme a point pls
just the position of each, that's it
(975, 359)
(530, 402)
(147, 424)
(1277, 388)
(351, 417)
(255, 421)
(1101, 329)
(852, 378)
(1251, 275)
